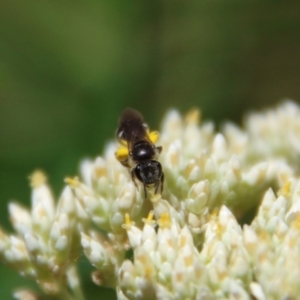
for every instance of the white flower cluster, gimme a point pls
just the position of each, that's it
(273, 244)
(188, 243)
(47, 238)
(167, 265)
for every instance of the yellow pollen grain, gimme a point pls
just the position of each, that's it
(193, 116)
(182, 241)
(149, 220)
(215, 212)
(292, 243)
(73, 182)
(179, 277)
(148, 272)
(143, 259)
(121, 153)
(188, 261)
(285, 190)
(164, 221)
(198, 272)
(154, 197)
(263, 235)
(127, 219)
(101, 172)
(222, 275)
(219, 229)
(128, 222)
(153, 136)
(37, 178)
(296, 223)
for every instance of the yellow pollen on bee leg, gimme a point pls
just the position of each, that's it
(153, 136)
(128, 222)
(121, 153)
(73, 182)
(37, 178)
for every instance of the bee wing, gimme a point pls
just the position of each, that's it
(131, 127)
(130, 114)
(137, 137)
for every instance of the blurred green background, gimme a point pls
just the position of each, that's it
(68, 68)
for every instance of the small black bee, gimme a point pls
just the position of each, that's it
(138, 152)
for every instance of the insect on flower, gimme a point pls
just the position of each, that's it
(138, 152)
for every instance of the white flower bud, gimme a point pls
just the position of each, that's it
(257, 291)
(32, 243)
(219, 148)
(19, 216)
(256, 174)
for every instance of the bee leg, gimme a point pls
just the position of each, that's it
(133, 178)
(159, 149)
(145, 190)
(124, 163)
(162, 178)
(160, 184)
(156, 187)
